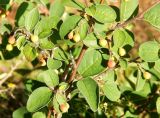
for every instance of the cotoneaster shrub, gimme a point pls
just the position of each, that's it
(81, 64)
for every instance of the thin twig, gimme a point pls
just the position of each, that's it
(49, 113)
(73, 74)
(10, 73)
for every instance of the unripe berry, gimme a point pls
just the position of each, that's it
(111, 63)
(76, 37)
(70, 35)
(34, 38)
(11, 40)
(122, 51)
(64, 107)
(9, 47)
(147, 75)
(103, 42)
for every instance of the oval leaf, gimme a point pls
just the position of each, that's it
(29, 52)
(111, 91)
(118, 38)
(53, 64)
(39, 115)
(21, 113)
(83, 28)
(31, 19)
(153, 16)
(50, 78)
(127, 8)
(91, 63)
(89, 89)
(104, 14)
(38, 99)
(20, 42)
(57, 8)
(91, 41)
(45, 43)
(21, 13)
(42, 30)
(69, 24)
(156, 66)
(148, 51)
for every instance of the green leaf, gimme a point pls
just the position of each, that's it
(122, 38)
(39, 115)
(74, 4)
(156, 66)
(91, 63)
(57, 8)
(59, 54)
(61, 98)
(83, 28)
(109, 76)
(45, 43)
(111, 91)
(21, 113)
(127, 8)
(21, 13)
(99, 27)
(53, 64)
(39, 98)
(153, 16)
(158, 105)
(76, 51)
(91, 41)
(20, 42)
(56, 105)
(90, 10)
(119, 37)
(89, 89)
(50, 78)
(43, 28)
(140, 81)
(29, 52)
(5, 26)
(148, 51)
(104, 14)
(32, 19)
(145, 91)
(123, 63)
(69, 24)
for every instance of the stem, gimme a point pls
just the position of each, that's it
(49, 113)
(10, 72)
(73, 74)
(65, 74)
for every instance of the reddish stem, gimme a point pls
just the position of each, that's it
(73, 74)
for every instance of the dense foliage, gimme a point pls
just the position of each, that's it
(76, 61)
